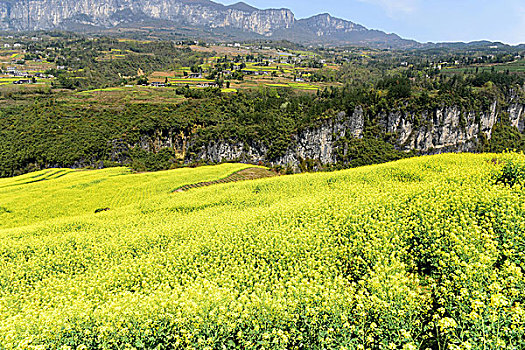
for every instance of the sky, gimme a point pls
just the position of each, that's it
(421, 20)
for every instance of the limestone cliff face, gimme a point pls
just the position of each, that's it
(221, 150)
(275, 23)
(49, 14)
(517, 116)
(314, 143)
(446, 129)
(319, 143)
(258, 21)
(325, 25)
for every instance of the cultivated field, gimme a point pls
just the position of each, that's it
(54, 193)
(421, 253)
(516, 67)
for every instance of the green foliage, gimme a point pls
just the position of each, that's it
(103, 62)
(52, 127)
(373, 148)
(46, 132)
(512, 172)
(142, 80)
(368, 150)
(398, 87)
(143, 160)
(504, 137)
(501, 79)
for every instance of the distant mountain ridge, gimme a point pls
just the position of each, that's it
(27, 15)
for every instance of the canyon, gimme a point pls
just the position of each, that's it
(447, 129)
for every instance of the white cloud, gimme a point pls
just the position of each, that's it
(396, 7)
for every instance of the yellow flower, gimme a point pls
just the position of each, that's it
(498, 300)
(410, 346)
(466, 345)
(447, 324)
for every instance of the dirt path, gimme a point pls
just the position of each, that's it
(241, 175)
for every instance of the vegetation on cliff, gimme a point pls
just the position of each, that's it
(66, 132)
(149, 105)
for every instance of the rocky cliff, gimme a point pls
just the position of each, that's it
(325, 25)
(49, 14)
(447, 129)
(276, 23)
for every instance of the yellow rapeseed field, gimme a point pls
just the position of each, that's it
(421, 253)
(53, 193)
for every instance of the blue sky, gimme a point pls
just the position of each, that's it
(422, 20)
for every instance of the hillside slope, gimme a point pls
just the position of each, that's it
(309, 134)
(420, 253)
(54, 193)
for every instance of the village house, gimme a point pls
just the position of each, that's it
(22, 81)
(208, 84)
(157, 84)
(195, 76)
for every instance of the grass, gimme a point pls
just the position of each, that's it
(277, 85)
(230, 90)
(116, 88)
(304, 86)
(259, 68)
(420, 253)
(116, 96)
(512, 67)
(191, 81)
(10, 80)
(301, 86)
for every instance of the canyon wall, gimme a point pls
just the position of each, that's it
(447, 129)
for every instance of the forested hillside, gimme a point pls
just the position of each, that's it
(68, 100)
(64, 132)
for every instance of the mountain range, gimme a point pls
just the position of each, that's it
(192, 17)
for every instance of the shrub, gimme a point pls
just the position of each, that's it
(512, 172)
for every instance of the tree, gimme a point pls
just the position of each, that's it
(142, 80)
